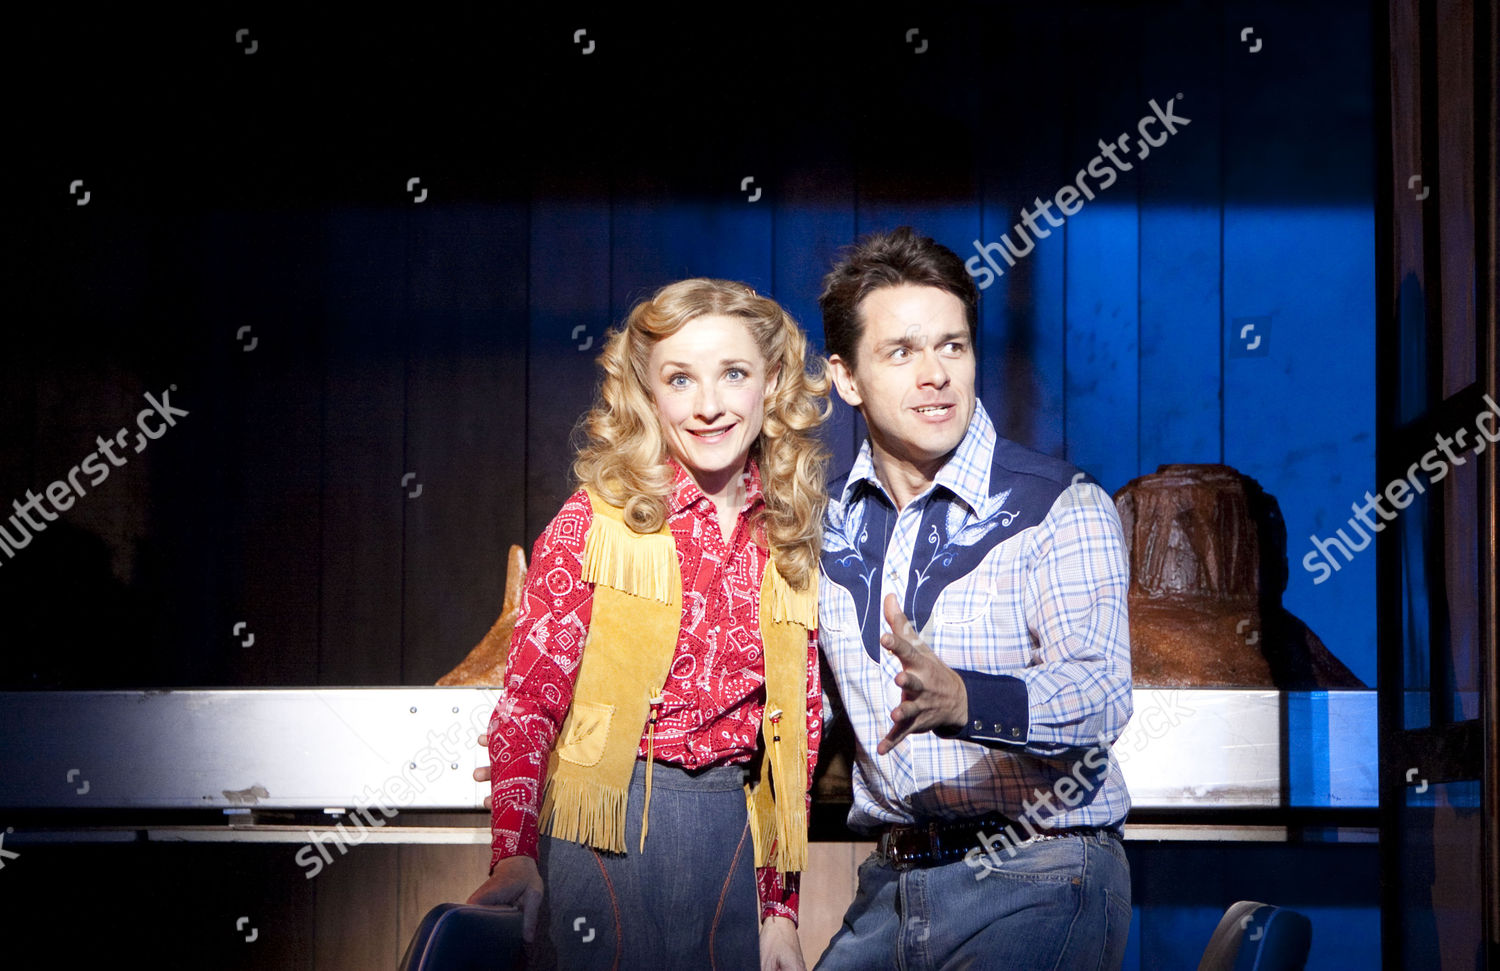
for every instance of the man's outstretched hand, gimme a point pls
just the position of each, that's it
(932, 693)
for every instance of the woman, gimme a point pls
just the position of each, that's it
(652, 752)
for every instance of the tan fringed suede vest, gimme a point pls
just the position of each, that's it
(633, 630)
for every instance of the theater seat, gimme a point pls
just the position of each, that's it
(462, 937)
(1258, 937)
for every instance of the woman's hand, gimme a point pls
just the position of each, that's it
(780, 949)
(516, 881)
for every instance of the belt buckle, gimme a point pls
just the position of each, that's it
(894, 847)
(896, 851)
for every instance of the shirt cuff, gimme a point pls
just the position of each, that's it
(788, 909)
(778, 893)
(999, 712)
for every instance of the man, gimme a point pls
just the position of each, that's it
(973, 611)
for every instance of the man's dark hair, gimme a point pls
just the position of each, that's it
(888, 260)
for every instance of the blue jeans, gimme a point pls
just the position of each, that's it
(1057, 903)
(689, 901)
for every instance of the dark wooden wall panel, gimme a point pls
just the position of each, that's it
(356, 907)
(72, 363)
(1181, 223)
(363, 258)
(1101, 310)
(663, 237)
(467, 334)
(926, 173)
(569, 316)
(1025, 157)
(1101, 390)
(175, 905)
(1299, 413)
(271, 449)
(813, 220)
(451, 339)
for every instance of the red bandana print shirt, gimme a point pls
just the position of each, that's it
(714, 693)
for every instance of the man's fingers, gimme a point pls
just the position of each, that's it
(484, 740)
(894, 738)
(893, 616)
(906, 646)
(896, 645)
(904, 649)
(903, 639)
(903, 720)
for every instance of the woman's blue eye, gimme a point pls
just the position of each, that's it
(678, 380)
(735, 374)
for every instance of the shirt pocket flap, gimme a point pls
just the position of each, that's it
(969, 605)
(836, 611)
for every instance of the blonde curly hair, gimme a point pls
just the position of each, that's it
(624, 459)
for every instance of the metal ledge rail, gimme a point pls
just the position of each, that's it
(70, 755)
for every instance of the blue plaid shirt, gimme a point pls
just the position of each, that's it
(1012, 567)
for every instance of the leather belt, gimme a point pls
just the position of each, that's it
(907, 847)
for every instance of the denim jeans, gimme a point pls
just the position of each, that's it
(1060, 903)
(689, 901)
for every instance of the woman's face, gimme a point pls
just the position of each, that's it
(710, 382)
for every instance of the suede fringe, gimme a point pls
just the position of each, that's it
(648, 569)
(584, 812)
(790, 606)
(791, 810)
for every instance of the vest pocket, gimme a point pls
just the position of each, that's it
(584, 733)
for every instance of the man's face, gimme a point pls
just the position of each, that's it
(913, 378)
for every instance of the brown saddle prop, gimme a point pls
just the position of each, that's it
(485, 665)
